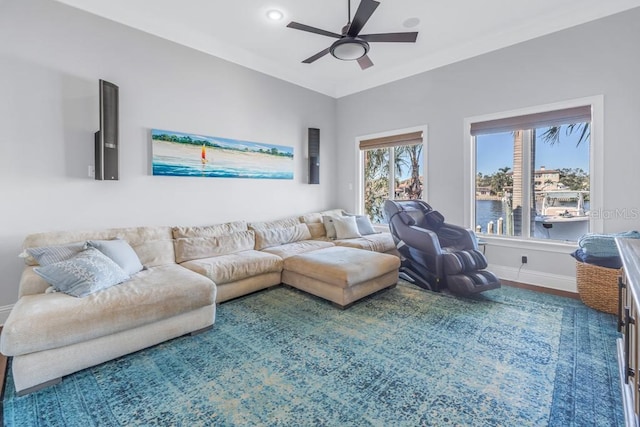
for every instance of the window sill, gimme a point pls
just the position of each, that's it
(537, 245)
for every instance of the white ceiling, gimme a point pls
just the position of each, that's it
(449, 31)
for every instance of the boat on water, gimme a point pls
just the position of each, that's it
(562, 215)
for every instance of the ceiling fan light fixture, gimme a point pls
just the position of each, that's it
(349, 49)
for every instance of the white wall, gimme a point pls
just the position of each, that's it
(51, 57)
(598, 58)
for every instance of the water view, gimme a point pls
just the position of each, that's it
(491, 210)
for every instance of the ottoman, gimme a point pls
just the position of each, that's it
(341, 275)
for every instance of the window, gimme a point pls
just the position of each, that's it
(392, 168)
(533, 174)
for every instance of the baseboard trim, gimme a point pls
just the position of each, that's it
(536, 278)
(4, 313)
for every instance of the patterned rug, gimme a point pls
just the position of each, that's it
(509, 357)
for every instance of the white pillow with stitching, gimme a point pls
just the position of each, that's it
(346, 227)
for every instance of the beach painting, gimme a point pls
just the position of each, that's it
(184, 154)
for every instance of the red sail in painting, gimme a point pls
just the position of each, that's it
(204, 154)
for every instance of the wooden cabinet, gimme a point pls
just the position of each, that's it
(628, 308)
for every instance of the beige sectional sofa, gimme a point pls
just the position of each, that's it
(187, 270)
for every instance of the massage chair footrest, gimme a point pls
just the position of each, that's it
(472, 282)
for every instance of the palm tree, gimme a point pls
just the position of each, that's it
(414, 155)
(500, 180)
(552, 135)
(376, 173)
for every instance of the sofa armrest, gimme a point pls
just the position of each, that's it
(31, 283)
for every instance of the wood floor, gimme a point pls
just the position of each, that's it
(542, 289)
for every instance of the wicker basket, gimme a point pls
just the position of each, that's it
(598, 286)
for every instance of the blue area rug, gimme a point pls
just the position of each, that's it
(509, 357)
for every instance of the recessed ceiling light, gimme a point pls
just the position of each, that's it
(275, 15)
(411, 22)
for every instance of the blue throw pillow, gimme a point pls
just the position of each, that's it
(120, 252)
(88, 272)
(46, 255)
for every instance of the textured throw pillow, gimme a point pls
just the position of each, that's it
(47, 255)
(87, 272)
(120, 252)
(346, 227)
(364, 224)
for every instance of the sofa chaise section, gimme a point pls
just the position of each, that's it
(341, 275)
(52, 334)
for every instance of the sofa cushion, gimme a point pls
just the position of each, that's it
(295, 248)
(209, 230)
(88, 272)
(311, 218)
(31, 283)
(120, 252)
(382, 242)
(317, 230)
(189, 248)
(332, 212)
(280, 223)
(266, 238)
(154, 245)
(233, 267)
(52, 320)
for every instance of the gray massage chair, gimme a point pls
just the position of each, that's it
(437, 255)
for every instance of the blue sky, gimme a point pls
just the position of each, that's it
(495, 151)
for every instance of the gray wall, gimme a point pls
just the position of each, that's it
(51, 57)
(598, 58)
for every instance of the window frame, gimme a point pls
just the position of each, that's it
(360, 162)
(596, 169)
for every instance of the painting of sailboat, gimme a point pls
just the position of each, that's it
(184, 154)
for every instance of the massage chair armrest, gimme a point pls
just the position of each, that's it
(465, 238)
(421, 239)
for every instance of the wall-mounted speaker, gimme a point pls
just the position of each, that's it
(314, 156)
(107, 138)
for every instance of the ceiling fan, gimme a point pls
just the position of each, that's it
(351, 45)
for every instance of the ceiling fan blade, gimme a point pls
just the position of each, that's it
(316, 56)
(365, 62)
(298, 26)
(390, 37)
(364, 12)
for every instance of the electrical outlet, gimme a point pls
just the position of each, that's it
(91, 171)
(524, 259)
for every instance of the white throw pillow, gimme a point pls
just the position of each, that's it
(364, 223)
(346, 227)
